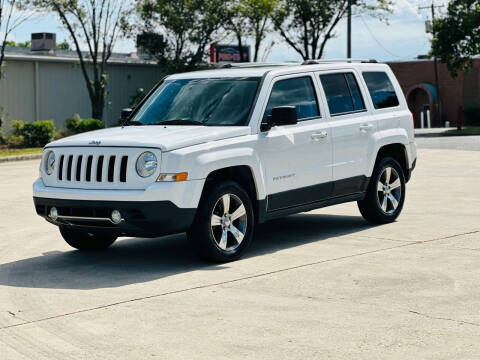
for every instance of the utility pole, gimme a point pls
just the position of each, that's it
(349, 30)
(438, 106)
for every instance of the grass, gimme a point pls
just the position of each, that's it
(471, 130)
(17, 152)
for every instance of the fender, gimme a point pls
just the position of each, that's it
(204, 159)
(209, 162)
(387, 137)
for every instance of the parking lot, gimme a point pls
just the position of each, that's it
(321, 285)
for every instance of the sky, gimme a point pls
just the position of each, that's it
(403, 38)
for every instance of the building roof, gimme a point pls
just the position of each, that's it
(25, 54)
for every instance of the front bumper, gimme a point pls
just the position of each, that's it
(140, 218)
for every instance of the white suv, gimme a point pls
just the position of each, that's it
(213, 153)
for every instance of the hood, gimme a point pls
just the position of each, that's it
(166, 138)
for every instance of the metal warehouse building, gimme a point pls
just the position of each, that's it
(50, 86)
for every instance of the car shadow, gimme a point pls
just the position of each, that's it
(132, 261)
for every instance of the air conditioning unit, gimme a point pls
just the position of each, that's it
(44, 42)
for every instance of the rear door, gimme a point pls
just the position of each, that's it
(352, 126)
(297, 158)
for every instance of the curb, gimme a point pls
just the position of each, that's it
(20, 158)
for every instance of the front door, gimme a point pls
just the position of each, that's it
(297, 158)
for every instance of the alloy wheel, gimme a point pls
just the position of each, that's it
(229, 222)
(389, 190)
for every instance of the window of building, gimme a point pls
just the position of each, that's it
(381, 90)
(298, 92)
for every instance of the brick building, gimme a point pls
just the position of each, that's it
(417, 79)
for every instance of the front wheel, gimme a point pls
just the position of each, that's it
(224, 224)
(385, 196)
(82, 240)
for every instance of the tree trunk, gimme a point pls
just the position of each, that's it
(240, 46)
(98, 101)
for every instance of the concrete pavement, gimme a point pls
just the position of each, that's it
(319, 285)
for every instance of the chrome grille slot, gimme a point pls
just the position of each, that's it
(98, 168)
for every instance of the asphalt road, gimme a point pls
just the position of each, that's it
(322, 285)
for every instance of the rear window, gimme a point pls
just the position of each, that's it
(342, 92)
(381, 90)
(298, 92)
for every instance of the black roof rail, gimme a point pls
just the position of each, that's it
(327, 61)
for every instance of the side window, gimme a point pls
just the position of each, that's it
(381, 90)
(357, 98)
(342, 92)
(298, 92)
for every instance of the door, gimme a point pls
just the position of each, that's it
(352, 127)
(297, 158)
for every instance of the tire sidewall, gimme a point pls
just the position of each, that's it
(201, 233)
(387, 162)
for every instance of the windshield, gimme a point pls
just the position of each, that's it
(209, 102)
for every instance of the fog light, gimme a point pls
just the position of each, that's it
(53, 213)
(116, 217)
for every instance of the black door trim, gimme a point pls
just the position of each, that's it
(317, 193)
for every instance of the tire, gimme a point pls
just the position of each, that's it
(385, 196)
(222, 234)
(82, 240)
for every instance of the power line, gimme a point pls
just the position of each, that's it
(387, 50)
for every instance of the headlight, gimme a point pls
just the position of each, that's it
(146, 164)
(50, 165)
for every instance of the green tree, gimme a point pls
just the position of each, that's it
(307, 25)
(63, 46)
(457, 35)
(11, 17)
(186, 28)
(251, 18)
(95, 24)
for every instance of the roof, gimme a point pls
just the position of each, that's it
(68, 56)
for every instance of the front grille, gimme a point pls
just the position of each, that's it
(98, 168)
(92, 168)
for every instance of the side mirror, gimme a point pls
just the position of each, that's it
(126, 113)
(281, 116)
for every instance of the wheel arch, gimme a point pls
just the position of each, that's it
(241, 174)
(397, 151)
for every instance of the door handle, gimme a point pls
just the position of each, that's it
(366, 127)
(319, 136)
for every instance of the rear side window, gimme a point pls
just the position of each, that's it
(343, 93)
(381, 90)
(298, 92)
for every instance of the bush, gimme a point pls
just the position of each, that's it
(17, 126)
(471, 116)
(38, 133)
(2, 139)
(35, 134)
(77, 125)
(15, 141)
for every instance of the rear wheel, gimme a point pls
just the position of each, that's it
(82, 240)
(223, 227)
(385, 194)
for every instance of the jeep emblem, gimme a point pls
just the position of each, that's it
(93, 142)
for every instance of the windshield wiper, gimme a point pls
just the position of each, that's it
(179, 122)
(134, 123)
